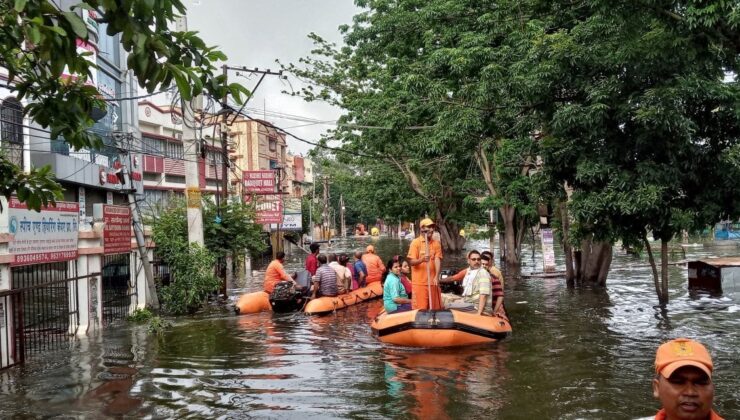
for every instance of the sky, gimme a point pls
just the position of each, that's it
(255, 34)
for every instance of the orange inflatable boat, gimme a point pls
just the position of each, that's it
(325, 305)
(447, 328)
(251, 303)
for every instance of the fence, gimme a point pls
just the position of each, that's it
(41, 311)
(118, 286)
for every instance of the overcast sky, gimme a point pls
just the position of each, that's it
(256, 33)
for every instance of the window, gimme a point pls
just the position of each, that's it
(272, 143)
(11, 130)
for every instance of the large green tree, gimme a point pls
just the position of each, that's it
(639, 117)
(38, 41)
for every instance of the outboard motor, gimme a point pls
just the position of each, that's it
(454, 287)
(303, 278)
(286, 298)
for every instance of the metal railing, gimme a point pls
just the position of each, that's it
(118, 287)
(40, 313)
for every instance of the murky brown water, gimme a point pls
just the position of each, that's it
(574, 353)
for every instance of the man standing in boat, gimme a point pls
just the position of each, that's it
(312, 264)
(425, 258)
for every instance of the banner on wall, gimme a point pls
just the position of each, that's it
(258, 182)
(46, 236)
(269, 208)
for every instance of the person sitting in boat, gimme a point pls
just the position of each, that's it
(497, 284)
(344, 276)
(405, 273)
(360, 270)
(395, 298)
(275, 273)
(325, 280)
(344, 262)
(374, 264)
(476, 288)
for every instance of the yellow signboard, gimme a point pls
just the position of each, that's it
(193, 197)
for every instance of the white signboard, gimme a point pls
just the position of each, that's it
(42, 237)
(292, 221)
(548, 252)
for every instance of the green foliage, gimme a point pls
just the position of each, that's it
(36, 188)
(236, 231)
(38, 41)
(192, 281)
(141, 316)
(158, 326)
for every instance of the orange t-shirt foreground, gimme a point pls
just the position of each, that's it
(418, 250)
(274, 275)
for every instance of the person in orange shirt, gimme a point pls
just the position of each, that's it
(424, 285)
(683, 381)
(275, 273)
(375, 266)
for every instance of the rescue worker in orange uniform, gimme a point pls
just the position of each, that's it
(275, 273)
(425, 268)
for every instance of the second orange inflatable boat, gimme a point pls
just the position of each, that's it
(251, 303)
(325, 305)
(447, 328)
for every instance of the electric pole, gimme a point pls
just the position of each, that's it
(191, 147)
(325, 229)
(341, 215)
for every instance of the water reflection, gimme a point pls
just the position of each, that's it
(574, 353)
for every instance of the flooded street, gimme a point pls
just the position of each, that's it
(574, 354)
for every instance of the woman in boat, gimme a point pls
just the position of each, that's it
(395, 298)
(405, 274)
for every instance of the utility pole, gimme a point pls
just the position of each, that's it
(341, 215)
(325, 215)
(225, 138)
(151, 292)
(191, 146)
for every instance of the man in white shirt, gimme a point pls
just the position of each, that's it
(344, 276)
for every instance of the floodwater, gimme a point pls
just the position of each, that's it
(574, 354)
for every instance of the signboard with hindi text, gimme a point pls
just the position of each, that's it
(258, 182)
(292, 221)
(117, 229)
(39, 237)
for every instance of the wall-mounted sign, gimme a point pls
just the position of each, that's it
(269, 208)
(258, 182)
(49, 235)
(292, 221)
(117, 229)
(194, 199)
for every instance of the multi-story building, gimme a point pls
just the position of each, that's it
(256, 145)
(163, 163)
(88, 176)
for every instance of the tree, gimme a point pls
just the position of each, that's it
(638, 120)
(38, 41)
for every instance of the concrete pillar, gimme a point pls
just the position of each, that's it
(6, 318)
(89, 290)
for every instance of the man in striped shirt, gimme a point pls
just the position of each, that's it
(497, 287)
(325, 280)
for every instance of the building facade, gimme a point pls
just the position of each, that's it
(163, 162)
(88, 176)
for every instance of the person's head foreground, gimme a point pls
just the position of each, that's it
(683, 381)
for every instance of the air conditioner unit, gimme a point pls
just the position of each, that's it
(178, 136)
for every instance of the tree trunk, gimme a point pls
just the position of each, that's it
(596, 258)
(664, 268)
(508, 213)
(449, 233)
(501, 247)
(658, 289)
(570, 275)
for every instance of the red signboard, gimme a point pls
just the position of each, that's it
(269, 208)
(49, 235)
(117, 230)
(258, 182)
